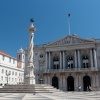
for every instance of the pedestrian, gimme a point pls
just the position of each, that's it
(87, 88)
(90, 88)
(79, 88)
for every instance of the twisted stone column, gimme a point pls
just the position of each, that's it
(30, 77)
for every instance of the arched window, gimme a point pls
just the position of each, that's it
(85, 61)
(55, 63)
(19, 56)
(70, 61)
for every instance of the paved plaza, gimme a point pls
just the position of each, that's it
(52, 96)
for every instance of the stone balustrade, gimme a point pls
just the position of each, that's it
(70, 70)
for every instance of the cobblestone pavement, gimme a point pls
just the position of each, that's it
(52, 96)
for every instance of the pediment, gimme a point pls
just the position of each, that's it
(69, 40)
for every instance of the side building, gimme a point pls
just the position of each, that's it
(11, 69)
(68, 63)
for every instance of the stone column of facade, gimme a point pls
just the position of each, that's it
(49, 60)
(30, 77)
(45, 80)
(79, 60)
(75, 55)
(64, 83)
(95, 58)
(76, 82)
(93, 82)
(49, 79)
(63, 59)
(46, 60)
(97, 80)
(60, 82)
(80, 80)
(60, 60)
(91, 58)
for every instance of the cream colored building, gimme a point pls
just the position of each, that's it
(12, 69)
(68, 63)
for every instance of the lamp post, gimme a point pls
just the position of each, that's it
(7, 74)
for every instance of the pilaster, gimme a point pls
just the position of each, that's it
(64, 83)
(63, 59)
(60, 60)
(76, 82)
(95, 58)
(75, 55)
(79, 59)
(46, 59)
(45, 79)
(91, 58)
(60, 82)
(49, 60)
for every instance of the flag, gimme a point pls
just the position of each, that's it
(68, 14)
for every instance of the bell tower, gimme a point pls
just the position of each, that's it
(21, 58)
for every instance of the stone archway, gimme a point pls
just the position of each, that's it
(86, 82)
(70, 83)
(55, 82)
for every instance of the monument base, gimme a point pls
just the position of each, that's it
(29, 81)
(34, 88)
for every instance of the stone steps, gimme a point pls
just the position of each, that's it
(37, 88)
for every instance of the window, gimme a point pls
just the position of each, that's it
(12, 72)
(2, 78)
(23, 56)
(9, 78)
(56, 63)
(9, 60)
(19, 56)
(2, 70)
(6, 72)
(15, 79)
(15, 73)
(3, 57)
(12, 79)
(70, 61)
(83, 65)
(13, 61)
(85, 61)
(41, 55)
(5, 78)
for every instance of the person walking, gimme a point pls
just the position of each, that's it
(79, 88)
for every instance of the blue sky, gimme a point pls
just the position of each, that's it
(51, 21)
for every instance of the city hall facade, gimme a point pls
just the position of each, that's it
(68, 63)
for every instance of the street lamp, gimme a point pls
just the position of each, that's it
(7, 74)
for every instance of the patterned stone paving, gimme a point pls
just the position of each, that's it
(95, 95)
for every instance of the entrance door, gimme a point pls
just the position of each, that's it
(86, 82)
(55, 82)
(70, 83)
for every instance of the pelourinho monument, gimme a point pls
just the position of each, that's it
(29, 85)
(29, 77)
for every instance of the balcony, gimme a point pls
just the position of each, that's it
(70, 70)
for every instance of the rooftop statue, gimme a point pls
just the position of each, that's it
(31, 20)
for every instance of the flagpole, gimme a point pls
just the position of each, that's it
(69, 23)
